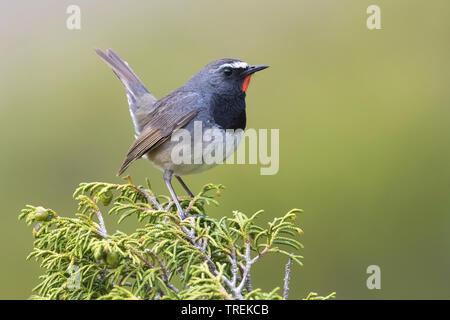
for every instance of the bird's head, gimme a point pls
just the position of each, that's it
(225, 77)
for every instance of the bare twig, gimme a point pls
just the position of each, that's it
(248, 284)
(232, 283)
(150, 198)
(287, 277)
(248, 265)
(169, 205)
(191, 204)
(234, 268)
(201, 246)
(150, 265)
(163, 270)
(245, 280)
(141, 256)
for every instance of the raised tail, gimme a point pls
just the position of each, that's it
(140, 100)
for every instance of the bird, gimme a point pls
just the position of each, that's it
(214, 97)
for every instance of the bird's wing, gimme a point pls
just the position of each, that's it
(140, 100)
(168, 117)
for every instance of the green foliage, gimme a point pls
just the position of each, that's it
(196, 258)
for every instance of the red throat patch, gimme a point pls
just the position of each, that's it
(246, 83)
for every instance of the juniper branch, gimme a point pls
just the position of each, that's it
(163, 269)
(212, 258)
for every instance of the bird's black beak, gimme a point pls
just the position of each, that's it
(253, 69)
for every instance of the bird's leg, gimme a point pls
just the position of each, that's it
(168, 181)
(190, 194)
(187, 189)
(184, 186)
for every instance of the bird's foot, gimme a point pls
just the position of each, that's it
(182, 214)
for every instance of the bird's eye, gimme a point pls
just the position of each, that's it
(227, 71)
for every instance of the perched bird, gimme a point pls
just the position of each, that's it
(214, 97)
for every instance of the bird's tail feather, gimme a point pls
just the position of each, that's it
(134, 86)
(140, 100)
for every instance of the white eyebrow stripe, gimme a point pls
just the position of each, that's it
(235, 65)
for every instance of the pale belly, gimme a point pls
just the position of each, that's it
(164, 159)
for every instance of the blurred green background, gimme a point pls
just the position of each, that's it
(363, 118)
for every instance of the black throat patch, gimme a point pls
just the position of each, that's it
(229, 112)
